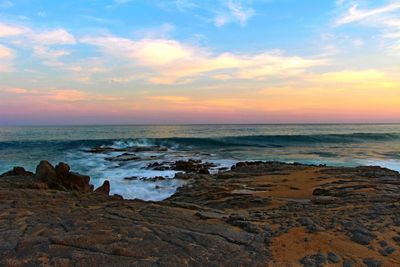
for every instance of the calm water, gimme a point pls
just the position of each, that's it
(347, 145)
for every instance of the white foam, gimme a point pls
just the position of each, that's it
(139, 186)
(132, 143)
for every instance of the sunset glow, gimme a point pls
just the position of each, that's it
(186, 61)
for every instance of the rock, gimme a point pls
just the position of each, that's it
(20, 171)
(320, 192)
(370, 262)
(397, 239)
(245, 217)
(79, 182)
(204, 171)
(62, 171)
(242, 222)
(124, 157)
(387, 251)
(358, 233)
(196, 166)
(116, 196)
(45, 172)
(205, 215)
(316, 260)
(361, 238)
(324, 200)
(348, 263)
(104, 189)
(131, 178)
(333, 257)
(383, 243)
(153, 179)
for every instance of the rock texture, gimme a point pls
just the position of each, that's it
(257, 214)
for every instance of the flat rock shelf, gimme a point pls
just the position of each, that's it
(256, 214)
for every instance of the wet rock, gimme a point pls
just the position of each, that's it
(131, 178)
(158, 166)
(370, 262)
(316, 260)
(196, 166)
(124, 157)
(104, 189)
(154, 179)
(98, 150)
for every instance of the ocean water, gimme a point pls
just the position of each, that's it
(223, 145)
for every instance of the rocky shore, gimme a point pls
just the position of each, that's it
(256, 214)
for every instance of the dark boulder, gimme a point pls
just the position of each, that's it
(104, 189)
(60, 178)
(79, 182)
(372, 262)
(313, 260)
(45, 172)
(62, 171)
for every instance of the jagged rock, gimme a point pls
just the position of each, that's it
(45, 172)
(104, 189)
(79, 182)
(245, 217)
(62, 171)
(60, 178)
(196, 166)
(17, 171)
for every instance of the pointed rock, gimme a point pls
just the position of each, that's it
(104, 189)
(45, 172)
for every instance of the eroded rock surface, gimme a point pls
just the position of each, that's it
(257, 214)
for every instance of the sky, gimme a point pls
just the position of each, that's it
(199, 61)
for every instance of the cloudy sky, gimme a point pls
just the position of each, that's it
(199, 61)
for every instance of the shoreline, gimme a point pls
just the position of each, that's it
(257, 214)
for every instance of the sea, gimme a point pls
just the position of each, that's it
(223, 145)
